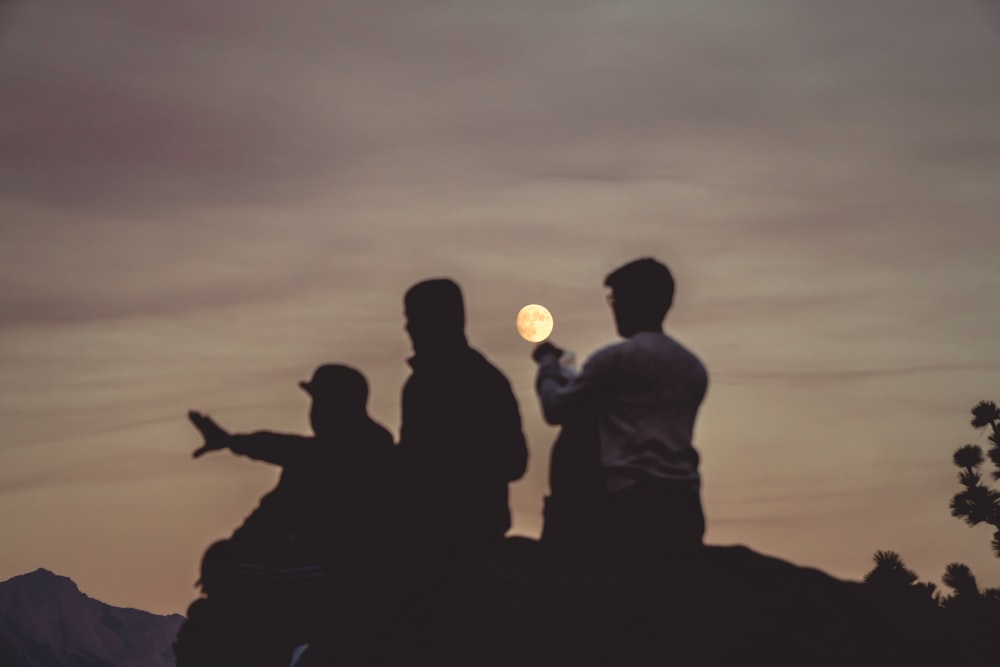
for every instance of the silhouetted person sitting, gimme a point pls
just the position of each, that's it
(461, 441)
(643, 395)
(330, 482)
(316, 549)
(576, 484)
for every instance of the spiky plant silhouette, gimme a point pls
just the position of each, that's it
(890, 573)
(959, 578)
(978, 503)
(966, 595)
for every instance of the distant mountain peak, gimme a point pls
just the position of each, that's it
(48, 620)
(43, 577)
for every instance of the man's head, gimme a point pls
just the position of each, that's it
(642, 292)
(340, 395)
(435, 315)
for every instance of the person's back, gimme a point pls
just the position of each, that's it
(659, 386)
(313, 557)
(644, 394)
(333, 485)
(461, 441)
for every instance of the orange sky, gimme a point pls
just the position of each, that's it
(200, 202)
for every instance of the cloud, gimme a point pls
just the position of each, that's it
(97, 471)
(251, 102)
(189, 114)
(826, 376)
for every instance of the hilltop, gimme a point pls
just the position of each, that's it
(521, 604)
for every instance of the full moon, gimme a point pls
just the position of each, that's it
(534, 323)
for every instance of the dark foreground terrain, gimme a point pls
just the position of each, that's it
(521, 604)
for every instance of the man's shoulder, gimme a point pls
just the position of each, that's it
(484, 366)
(611, 350)
(678, 349)
(619, 350)
(644, 345)
(686, 367)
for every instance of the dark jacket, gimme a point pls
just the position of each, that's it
(460, 445)
(332, 491)
(576, 483)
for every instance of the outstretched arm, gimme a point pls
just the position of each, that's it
(277, 448)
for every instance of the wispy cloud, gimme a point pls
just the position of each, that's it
(825, 376)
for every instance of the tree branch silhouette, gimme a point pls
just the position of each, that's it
(978, 503)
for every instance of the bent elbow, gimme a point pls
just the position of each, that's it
(520, 467)
(553, 414)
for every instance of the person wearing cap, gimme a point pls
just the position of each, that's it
(461, 441)
(318, 545)
(641, 396)
(348, 454)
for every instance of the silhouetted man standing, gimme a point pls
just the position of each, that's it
(461, 441)
(644, 394)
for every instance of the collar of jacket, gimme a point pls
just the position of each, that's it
(446, 358)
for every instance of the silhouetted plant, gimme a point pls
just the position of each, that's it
(890, 573)
(986, 413)
(928, 590)
(978, 503)
(967, 598)
(959, 578)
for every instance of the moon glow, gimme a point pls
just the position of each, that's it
(534, 323)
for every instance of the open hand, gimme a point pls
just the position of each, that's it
(544, 350)
(215, 436)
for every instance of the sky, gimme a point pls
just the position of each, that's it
(201, 202)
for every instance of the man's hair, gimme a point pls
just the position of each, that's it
(645, 286)
(437, 301)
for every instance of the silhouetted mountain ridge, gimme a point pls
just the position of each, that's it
(45, 621)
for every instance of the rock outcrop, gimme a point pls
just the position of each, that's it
(522, 604)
